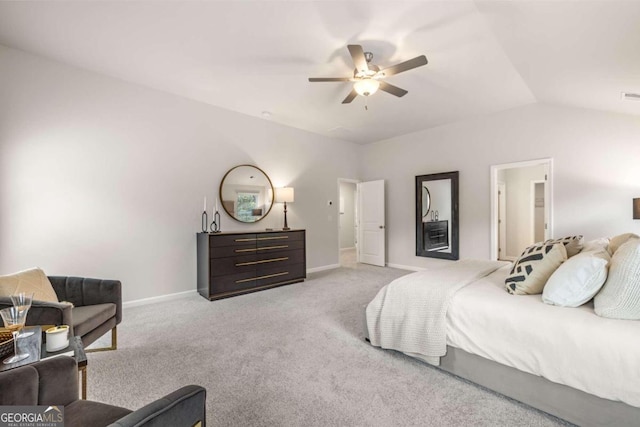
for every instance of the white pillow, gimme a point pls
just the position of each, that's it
(620, 296)
(578, 279)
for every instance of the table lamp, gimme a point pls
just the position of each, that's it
(284, 195)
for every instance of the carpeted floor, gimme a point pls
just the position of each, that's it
(290, 356)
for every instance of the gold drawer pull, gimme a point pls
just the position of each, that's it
(273, 238)
(273, 247)
(261, 249)
(262, 261)
(262, 277)
(246, 239)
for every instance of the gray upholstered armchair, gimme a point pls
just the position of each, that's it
(54, 382)
(96, 308)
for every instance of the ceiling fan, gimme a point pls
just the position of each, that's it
(368, 78)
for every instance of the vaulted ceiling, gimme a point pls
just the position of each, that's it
(255, 57)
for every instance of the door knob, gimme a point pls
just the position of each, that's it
(382, 226)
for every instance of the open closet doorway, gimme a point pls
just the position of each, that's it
(521, 206)
(347, 222)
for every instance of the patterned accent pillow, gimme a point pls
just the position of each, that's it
(573, 244)
(534, 267)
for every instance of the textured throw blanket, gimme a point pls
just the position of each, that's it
(409, 314)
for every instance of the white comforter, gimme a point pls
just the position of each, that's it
(570, 346)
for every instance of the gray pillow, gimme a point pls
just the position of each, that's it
(620, 296)
(573, 244)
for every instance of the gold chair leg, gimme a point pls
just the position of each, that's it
(114, 343)
(83, 382)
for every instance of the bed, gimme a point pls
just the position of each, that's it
(568, 362)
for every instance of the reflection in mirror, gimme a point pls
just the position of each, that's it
(426, 201)
(437, 215)
(246, 193)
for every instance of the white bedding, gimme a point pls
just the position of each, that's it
(570, 346)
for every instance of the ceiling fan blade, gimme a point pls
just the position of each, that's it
(393, 90)
(418, 61)
(329, 79)
(352, 95)
(358, 57)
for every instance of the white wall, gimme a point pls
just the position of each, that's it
(595, 173)
(103, 178)
(347, 218)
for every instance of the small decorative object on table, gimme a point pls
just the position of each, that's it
(57, 338)
(215, 225)
(205, 219)
(6, 342)
(23, 301)
(14, 319)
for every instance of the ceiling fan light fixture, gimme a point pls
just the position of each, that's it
(366, 87)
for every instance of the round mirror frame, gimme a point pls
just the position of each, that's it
(232, 215)
(426, 203)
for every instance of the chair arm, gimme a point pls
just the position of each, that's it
(184, 407)
(44, 312)
(58, 382)
(83, 291)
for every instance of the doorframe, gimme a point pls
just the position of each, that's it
(502, 186)
(532, 207)
(356, 219)
(548, 195)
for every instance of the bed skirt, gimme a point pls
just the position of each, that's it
(560, 400)
(564, 402)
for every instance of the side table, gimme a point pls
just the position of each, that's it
(35, 346)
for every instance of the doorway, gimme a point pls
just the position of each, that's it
(521, 211)
(347, 222)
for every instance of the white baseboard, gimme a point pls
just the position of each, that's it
(323, 268)
(405, 267)
(152, 300)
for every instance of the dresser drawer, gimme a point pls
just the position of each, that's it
(233, 282)
(233, 265)
(232, 239)
(265, 261)
(269, 276)
(232, 251)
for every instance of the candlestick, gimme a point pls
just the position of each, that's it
(205, 204)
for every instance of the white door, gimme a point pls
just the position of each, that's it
(371, 241)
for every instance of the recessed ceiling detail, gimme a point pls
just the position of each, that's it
(484, 56)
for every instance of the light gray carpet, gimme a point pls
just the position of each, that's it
(290, 356)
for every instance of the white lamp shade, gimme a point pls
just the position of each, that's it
(366, 87)
(284, 194)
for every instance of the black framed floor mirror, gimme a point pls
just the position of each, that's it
(437, 233)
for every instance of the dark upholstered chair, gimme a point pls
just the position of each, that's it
(54, 382)
(96, 310)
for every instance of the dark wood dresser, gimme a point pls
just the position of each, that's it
(237, 263)
(436, 235)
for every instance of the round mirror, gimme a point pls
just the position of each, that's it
(426, 201)
(246, 193)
